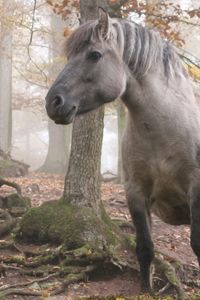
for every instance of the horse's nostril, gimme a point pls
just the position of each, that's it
(58, 101)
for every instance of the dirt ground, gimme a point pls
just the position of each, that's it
(170, 240)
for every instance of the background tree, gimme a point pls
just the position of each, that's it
(6, 77)
(59, 136)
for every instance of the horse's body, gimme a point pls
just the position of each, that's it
(162, 154)
(113, 58)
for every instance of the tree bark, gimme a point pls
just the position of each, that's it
(82, 182)
(6, 79)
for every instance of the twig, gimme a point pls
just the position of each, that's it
(5, 267)
(32, 23)
(27, 292)
(166, 287)
(3, 288)
(30, 42)
(189, 60)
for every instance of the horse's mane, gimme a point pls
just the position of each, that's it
(143, 48)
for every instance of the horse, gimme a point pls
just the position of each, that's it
(112, 58)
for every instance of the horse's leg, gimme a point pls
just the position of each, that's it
(144, 245)
(195, 220)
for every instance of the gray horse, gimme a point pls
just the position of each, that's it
(112, 58)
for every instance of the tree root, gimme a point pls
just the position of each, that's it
(170, 273)
(71, 275)
(8, 222)
(16, 291)
(11, 184)
(17, 285)
(70, 266)
(74, 266)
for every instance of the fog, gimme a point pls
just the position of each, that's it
(30, 140)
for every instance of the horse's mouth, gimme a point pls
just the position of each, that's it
(66, 119)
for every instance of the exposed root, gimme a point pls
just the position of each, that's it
(74, 266)
(85, 262)
(171, 276)
(27, 292)
(12, 184)
(19, 285)
(6, 244)
(8, 222)
(71, 275)
(71, 278)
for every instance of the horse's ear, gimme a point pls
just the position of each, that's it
(104, 24)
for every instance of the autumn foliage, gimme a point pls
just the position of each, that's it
(164, 16)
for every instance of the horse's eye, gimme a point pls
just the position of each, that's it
(94, 56)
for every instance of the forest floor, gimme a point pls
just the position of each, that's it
(170, 240)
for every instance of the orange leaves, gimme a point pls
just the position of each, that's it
(63, 8)
(50, 2)
(67, 32)
(194, 71)
(163, 15)
(194, 13)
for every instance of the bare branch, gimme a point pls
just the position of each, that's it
(32, 23)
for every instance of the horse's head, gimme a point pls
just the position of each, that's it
(94, 74)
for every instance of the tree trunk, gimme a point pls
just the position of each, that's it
(89, 9)
(82, 182)
(6, 79)
(59, 136)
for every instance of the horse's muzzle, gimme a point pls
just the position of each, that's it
(58, 109)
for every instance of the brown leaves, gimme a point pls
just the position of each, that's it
(161, 15)
(63, 8)
(67, 32)
(194, 13)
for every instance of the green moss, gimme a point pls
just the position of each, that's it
(60, 223)
(129, 241)
(17, 201)
(5, 163)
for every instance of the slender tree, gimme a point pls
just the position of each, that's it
(6, 78)
(59, 137)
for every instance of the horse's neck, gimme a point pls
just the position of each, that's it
(168, 108)
(144, 94)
